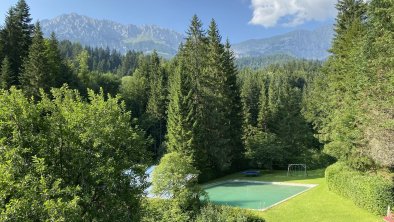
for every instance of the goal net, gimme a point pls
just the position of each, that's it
(296, 170)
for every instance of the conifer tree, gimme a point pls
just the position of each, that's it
(378, 95)
(6, 77)
(54, 62)
(263, 116)
(36, 69)
(192, 62)
(156, 105)
(334, 100)
(15, 37)
(83, 72)
(178, 131)
(234, 115)
(216, 122)
(204, 114)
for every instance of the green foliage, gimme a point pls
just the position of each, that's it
(133, 91)
(275, 130)
(213, 213)
(55, 63)
(263, 149)
(204, 112)
(379, 92)
(350, 103)
(15, 37)
(156, 210)
(6, 76)
(36, 72)
(234, 113)
(33, 194)
(261, 62)
(102, 60)
(369, 191)
(163, 210)
(87, 148)
(175, 177)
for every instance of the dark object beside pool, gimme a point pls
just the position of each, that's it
(251, 173)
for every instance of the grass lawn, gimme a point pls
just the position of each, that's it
(318, 204)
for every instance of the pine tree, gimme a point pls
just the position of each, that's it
(193, 57)
(54, 62)
(6, 77)
(334, 100)
(36, 69)
(378, 95)
(23, 15)
(216, 122)
(186, 114)
(263, 116)
(178, 131)
(156, 106)
(349, 11)
(234, 115)
(15, 37)
(250, 91)
(83, 72)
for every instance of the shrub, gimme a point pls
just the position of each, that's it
(163, 210)
(368, 191)
(213, 213)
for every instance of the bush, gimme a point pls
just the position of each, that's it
(368, 191)
(163, 210)
(213, 213)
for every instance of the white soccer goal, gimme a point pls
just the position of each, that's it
(297, 169)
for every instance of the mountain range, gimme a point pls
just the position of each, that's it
(300, 44)
(104, 33)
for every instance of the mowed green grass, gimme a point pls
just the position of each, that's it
(318, 204)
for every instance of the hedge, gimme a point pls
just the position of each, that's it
(371, 192)
(157, 210)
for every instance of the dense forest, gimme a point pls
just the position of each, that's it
(79, 125)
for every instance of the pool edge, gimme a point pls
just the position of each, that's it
(309, 187)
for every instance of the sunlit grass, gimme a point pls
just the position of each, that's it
(317, 204)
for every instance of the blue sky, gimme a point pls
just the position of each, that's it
(238, 20)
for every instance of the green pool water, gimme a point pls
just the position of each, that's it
(251, 195)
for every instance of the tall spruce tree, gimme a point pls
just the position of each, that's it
(55, 64)
(204, 113)
(216, 122)
(185, 107)
(178, 131)
(15, 37)
(156, 105)
(378, 95)
(334, 101)
(264, 112)
(6, 77)
(234, 114)
(36, 70)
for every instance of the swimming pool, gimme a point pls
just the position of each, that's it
(253, 194)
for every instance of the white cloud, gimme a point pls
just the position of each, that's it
(269, 13)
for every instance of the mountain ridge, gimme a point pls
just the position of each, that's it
(105, 33)
(301, 43)
(146, 38)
